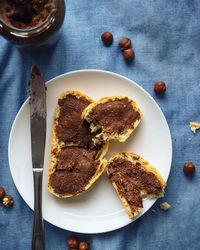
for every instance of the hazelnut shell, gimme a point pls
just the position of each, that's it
(159, 87)
(189, 168)
(2, 193)
(8, 201)
(125, 43)
(128, 54)
(83, 245)
(107, 38)
(72, 242)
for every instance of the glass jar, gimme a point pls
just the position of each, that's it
(44, 34)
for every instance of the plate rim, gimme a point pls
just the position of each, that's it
(50, 81)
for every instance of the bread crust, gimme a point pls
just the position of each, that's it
(132, 157)
(115, 136)
(56, 146)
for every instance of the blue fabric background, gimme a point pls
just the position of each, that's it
(166, 39)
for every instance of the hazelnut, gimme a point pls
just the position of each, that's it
(72, 242)
(2, 193)
(128, 54)
(159, 87)
(188, 168)
(107, 38)
(8, 201)
(125, 43)
(83, 245)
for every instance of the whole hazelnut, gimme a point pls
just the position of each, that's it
(72, 242)
(125, 43)
(8, 201)
(189, 168)
(128, 54)
(2, 193)
(83, 245)
(159, 87)
(107, 38)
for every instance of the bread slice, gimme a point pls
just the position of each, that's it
(116, 116)
(134, 178)
(75, 162)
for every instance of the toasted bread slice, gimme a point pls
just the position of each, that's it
(116, 116)
(75, 162)
(134, 179)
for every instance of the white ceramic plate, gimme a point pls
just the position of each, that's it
(98, 209)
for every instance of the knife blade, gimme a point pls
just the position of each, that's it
(38, 139)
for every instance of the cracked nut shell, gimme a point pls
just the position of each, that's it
(8, 201)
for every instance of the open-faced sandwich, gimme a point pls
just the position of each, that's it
(116, 117)
(75, 162)
(134, 179)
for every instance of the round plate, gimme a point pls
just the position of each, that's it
(98, 209)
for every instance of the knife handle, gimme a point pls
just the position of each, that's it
(38, 242)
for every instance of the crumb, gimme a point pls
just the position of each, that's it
(165, 206)
(194, 126)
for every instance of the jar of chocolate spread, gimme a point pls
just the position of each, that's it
(31, 23)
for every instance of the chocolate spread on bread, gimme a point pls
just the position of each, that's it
(133, 181)
(75, 167)
(76, 161)
(70, 127)
(115, 116)
(25, 14)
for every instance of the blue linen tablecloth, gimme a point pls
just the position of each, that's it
(166, 39)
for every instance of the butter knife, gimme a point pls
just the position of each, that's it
(38, 138)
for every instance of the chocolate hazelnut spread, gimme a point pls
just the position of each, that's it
(31, 24)
(76, 161)
(133, 181)
(24, 14)
(70, 127)
(75, 167)
(115, 116)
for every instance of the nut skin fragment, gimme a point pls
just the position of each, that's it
(194, 126)
(165, 206)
